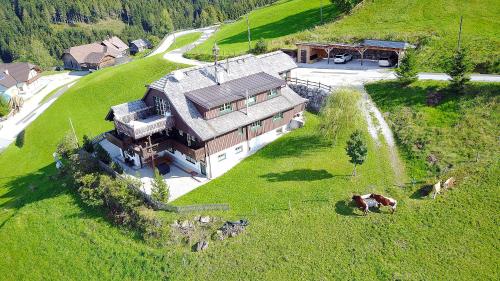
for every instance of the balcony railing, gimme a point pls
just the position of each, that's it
(141, 128)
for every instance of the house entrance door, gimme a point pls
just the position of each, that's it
(303, 56)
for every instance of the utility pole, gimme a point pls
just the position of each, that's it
(460, 32)
(249, 36)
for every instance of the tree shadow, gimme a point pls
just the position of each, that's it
(293, 146)
(422, 192)
(298, 175)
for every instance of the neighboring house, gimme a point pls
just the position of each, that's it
(19, 78)
(95, 56)
(209, 118)
(139, 45)
(117, 45)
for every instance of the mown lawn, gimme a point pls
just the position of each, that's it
(431, 24)
(268, 23)
(184, 40)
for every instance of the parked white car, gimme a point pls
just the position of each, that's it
(342, 58)
(385, 62)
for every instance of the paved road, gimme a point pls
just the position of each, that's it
(353, 74)
(177, 55)
(33, 107)
(170, 39)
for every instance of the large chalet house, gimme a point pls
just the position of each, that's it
(19, 78)
(96, 55)
(208, 118)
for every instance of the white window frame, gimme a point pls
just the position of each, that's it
(225, 108)
(239, 149)
(251, 100)
(272, 93)
(278, 116)
(222, 157)
(255, 125)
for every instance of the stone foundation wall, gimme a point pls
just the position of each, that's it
(317, 97)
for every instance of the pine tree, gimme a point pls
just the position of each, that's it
(356, 149)
(159, 188)
(458, 67)
(407, 71)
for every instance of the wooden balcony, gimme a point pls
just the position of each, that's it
(141, 128)
(163, 144)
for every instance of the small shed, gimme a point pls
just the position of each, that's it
(309, 52)
(139, 45)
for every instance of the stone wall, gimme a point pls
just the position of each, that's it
(317, 97)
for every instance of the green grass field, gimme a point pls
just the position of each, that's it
(268, 23)
(184, 40)
(431, 24)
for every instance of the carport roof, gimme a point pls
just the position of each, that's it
(366, 44)
(386, 44)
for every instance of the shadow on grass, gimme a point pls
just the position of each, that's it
(423, 192)
(291, 24)
(294, 146)
(298, 175)
(345, 208)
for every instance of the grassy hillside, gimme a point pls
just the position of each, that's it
(184, 40)
(431, 24)
(268, 23)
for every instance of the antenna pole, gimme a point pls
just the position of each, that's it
(246, 102)
(249, 35)
(460, 32)
(74, 133)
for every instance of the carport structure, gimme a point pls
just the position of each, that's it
(309, 52)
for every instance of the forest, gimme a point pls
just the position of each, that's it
(40, 30)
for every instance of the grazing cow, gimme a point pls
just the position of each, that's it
(360, 203)
(449, 183)
(385, 201)
(436, 189)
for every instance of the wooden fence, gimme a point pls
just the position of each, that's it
(308, 84)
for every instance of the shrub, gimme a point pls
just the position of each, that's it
(102, 154)
(87, 144)
(116, 167)
(260, 47)
(339, 113)
(356, 149)
(90, 190)
(67, 145)
(159, 188)
(4, 106)
(407, 71)
(458, 67)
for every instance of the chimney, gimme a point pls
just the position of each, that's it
(216, 72)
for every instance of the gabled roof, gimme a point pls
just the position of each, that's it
(177, 84)
(88, 53)
(141, 43)
(115, 43)
(16, 71)
(233, 90)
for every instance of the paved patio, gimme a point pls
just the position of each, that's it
(178, 180)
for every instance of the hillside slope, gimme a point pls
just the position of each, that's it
(431, 24)
(269, 23)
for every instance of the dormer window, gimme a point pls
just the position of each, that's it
(272, 93)
(162, 106)
(225, 108)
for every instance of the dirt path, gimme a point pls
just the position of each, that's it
(377, 126)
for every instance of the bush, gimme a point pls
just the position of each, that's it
(260, 47)
(67, 146)
(102, 154)
(4, 106)
(116, 167)
(159, 189)
(340, 113)
(87, 144)
(407, 71)
(459, 67)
